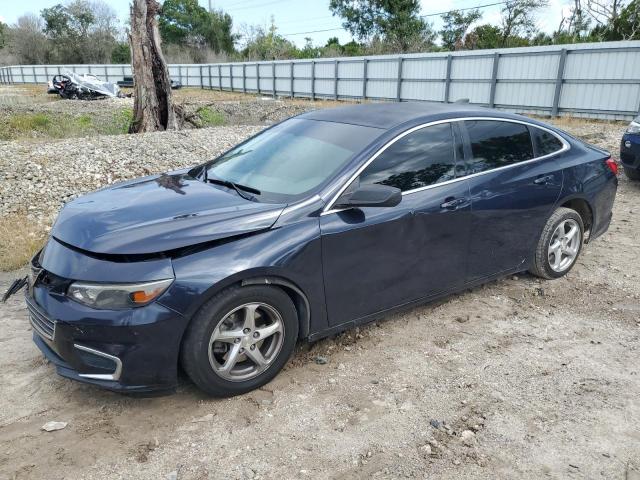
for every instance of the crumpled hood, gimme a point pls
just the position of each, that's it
(158, 213)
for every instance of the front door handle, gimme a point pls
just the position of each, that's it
(543, 180)
(451, 203)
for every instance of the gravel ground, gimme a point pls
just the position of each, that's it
(520, 378)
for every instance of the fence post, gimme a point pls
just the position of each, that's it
(219, 77)
(258, 77)
(35, 78)
(21, 74)
(231, 76)
(273, 77)
(244, 78)
(335, 79)
(201, 79)
(313, 80)
(399, 84)
(364, 78)
(494, 80)
(447, 80)
(89, 67)
(559, 80)
(291, 78)
(46, 72)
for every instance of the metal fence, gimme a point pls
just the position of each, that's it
(599, 80)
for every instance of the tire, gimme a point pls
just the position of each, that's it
(552, 246)
(631, 173)
(225, 354)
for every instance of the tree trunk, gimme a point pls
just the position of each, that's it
(153, 107)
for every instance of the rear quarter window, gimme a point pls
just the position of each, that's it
(496, 143)
(545, 142)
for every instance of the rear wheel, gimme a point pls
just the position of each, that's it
(632, 173)
(559, 245)
(240, 340)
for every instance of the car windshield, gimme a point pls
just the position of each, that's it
(291, 159)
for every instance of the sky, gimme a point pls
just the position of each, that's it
(294, 18)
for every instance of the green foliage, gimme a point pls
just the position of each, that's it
(3, 34)
(80, 31)
(42, 125)
(269, 45)
(397, 23)
(185, 22)
(209, 117)
(121, 53)
(483, 36)
(456, 24)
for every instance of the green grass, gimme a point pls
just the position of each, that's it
(209, 117)
(20, 126)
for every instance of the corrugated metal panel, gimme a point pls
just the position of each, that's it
(525, 94)
(433, 91)
(378, 69)
(475, 92)
(529, 67)
(350, 88)
(425, 68)
(585, 96)
(469, 67)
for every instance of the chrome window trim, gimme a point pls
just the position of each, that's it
(101, 376)
(565, 146)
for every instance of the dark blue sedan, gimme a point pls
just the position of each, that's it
(325, 221)
(630, 150)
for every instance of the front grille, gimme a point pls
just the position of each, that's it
(40, 322)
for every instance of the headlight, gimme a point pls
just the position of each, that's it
(117, 296)
(634, 127)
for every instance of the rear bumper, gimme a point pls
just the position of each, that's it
(132, 350)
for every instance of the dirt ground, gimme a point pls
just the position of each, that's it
(520, 378)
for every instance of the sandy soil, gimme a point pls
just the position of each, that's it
(543, 374)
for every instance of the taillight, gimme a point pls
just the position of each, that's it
(613, 166)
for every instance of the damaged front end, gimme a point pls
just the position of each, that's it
(73, 86)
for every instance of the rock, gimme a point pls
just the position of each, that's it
(332, 381)
(468, 438)
(172, 476)
(53, 426)
(320, 360)
(207, 418)
(435, 423)
(426, 449)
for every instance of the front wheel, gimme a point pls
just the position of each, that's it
(240, 339)
(559, 245)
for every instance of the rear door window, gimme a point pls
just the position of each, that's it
(419, 159)
(496, 143)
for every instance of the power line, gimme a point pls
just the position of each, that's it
(463, 9)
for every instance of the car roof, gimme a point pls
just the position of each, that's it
(388, 115)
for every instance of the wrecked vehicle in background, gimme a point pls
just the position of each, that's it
(82, 87)
(127, 82)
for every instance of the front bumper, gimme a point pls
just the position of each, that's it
(630, 155)
(133, 350)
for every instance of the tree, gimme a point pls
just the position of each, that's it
(483, 37)
(121, 53)
(615, 22)
(153, 107)
(26, 40)
(3, 34)
(185, 22)
(456, 24)
(268, 45)
(395, 22)
(80, 31)
(518, 21)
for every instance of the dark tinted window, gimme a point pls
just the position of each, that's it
(496, 144)
(545, 142)
(421, 158)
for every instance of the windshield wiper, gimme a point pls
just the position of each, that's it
(236, 186)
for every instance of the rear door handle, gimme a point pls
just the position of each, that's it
(543, 180)
(451, 203)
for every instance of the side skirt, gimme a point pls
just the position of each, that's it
(406, 306)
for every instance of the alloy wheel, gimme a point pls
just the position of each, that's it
(564, 245)
(246, 341)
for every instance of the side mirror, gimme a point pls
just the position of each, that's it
(370, 196)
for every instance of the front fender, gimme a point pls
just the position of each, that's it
(290, 253)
